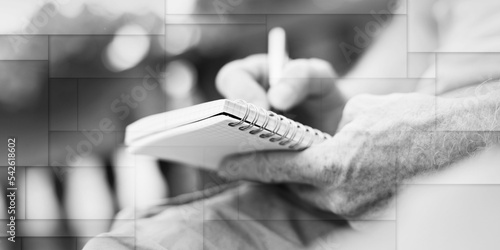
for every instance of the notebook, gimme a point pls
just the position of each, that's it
(203, 135)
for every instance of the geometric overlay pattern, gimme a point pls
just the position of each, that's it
(77, 74)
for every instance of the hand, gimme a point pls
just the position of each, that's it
(308, 86)
(384, 140)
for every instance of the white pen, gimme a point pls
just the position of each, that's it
(277, 54)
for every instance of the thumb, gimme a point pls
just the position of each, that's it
(302, 78)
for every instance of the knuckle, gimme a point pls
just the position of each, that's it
(363, 100)
(256, 57)
(319, 61)
(298, 65)
(226, 72)
(396, 96)
(256, 63)
(356, 101)
(359, 104)
(322, 67)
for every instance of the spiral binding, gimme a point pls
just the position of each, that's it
(293, 130)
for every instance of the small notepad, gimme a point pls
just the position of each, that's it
(202, 135)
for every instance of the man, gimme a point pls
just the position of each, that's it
(327, 196)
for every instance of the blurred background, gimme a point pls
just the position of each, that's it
(67, 67)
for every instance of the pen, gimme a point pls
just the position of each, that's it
(277, 54)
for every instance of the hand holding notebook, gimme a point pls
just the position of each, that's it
(204, 134)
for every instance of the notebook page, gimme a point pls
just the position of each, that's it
(150, 125)
(237, 127)
(204, 143)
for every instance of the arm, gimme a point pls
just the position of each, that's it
(384, 141)
(387, 140)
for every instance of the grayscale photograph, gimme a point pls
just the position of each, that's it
(250, 125)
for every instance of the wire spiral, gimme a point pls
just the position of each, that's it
(293, 129)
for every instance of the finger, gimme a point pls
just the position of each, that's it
(240, 80)
(302, 78)
(312, 166)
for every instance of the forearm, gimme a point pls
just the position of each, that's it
(467, 118)
(423, 143)
(464, 126)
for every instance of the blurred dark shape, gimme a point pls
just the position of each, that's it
(75, 52)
